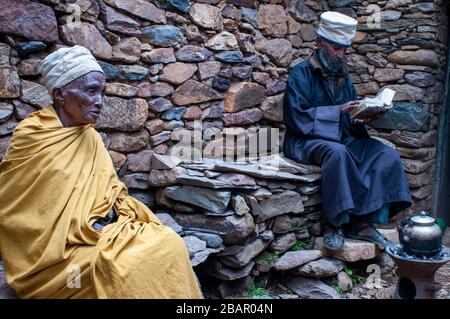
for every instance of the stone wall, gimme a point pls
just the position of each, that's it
(216, 68)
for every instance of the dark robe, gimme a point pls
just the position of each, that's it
(359, 174)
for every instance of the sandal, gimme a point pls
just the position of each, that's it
(376, 237)
(333, 240)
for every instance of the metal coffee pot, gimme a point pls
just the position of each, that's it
(420, 235)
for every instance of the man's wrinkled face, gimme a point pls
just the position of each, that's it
(82, 99)
(334, 52)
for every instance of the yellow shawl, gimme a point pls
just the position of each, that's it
(54, 183)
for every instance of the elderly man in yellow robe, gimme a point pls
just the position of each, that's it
(68, 228)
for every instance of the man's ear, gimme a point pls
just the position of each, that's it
(58, 95)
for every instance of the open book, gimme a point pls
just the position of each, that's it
(370, 106)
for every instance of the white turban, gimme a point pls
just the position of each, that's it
(67, 64)
(337, 27)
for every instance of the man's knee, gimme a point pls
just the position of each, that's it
(337, 152)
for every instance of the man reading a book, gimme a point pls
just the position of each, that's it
(363, 181)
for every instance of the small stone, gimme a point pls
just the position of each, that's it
(35, 94)
(143, 9)
(164, 161)
(244, 117)
(127, 50)
(354, 250)
(175, 113)
(239, 205)
(162, 35)
(420, 79)
(177, 73)
(193, 113)
(191, 92)
(242, 72)
(22, 110)
(159, 138)
(121, 89)
(133, 72)
(163, 177)
(192, 53)
(159, 105)
(25, 48)
(278, 50)
(6, 110)
(237, 179)
(209, 69)
(168, 221)
(344, 282)
(118, 159)
(140, 162)
(206, 16)
(230, 57)
(293, 259)
(30, 67)
(160, 89)
(221, 84)
(283, 242)
(287, 223)
(137, 180)
(194, 244)
(275, 86)
(324, 267)
(388, 75)
(159, 55)
(121, 23)
(223, 41)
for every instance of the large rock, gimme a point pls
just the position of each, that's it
(272, 108)
(206, 16)
(420, 79)
(177, 73)
(162, 35)
(168, 221)
(324, 267)
(87, 35)
(286, 202)
(128, 142)
(118, 22)
(245, 256)
(233, 229)
(123, 115)
(242, 95)
(217, 270)
(293, 259)
(140, 8)
(283, 243)
(127, 50)
(31, 20)
(420, 57)
(278, 50)
(354, 250)
(194, 244)
(310, 288)
(192, 92)
(388, 75)
(213, 201)
(35, 94)
(404, 116)
(407, 92)
(9, 83)
(140, 162)
(287, 223)
(272, 20)
(222, 42)
(162, 178)
(164, 161)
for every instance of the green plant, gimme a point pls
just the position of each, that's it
(356, 279)
(273, 257)
(300, 244)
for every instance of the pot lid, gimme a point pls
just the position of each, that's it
(423, 219)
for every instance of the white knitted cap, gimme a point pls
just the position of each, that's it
(337, 27)
(67, 64)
